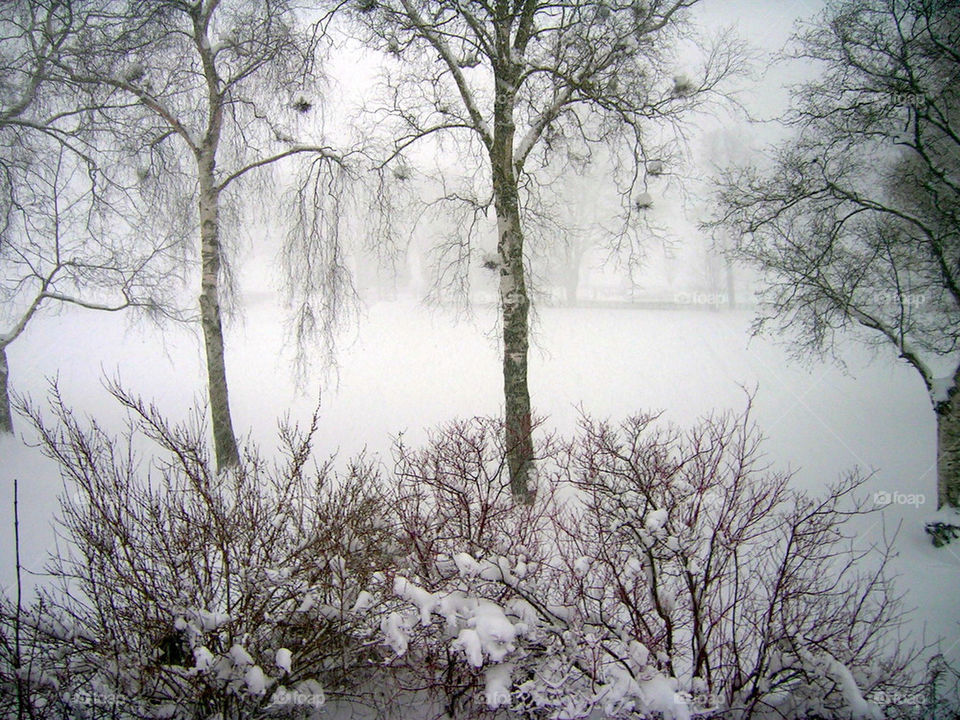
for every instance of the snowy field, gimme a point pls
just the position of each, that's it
(405, 368)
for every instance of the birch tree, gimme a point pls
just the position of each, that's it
(206, 92)
(511, 83)
(65, 230)
(856, 221)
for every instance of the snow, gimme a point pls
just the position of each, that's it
(659, 694)
(424, 600)
(364, 600)
(819, 419)
(655, 520)
(940, 389)
(497, 680)
(469, 642)
(466, 565)
(495, 631)
(256, 681)
(639, 653)
(395, 633)
(306, 605)
(633, 568)
(858, 708)
(284, 659)
(240, 656)
(203, 658)
(212, 620)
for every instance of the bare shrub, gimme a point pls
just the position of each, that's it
(465, 547)
(698, 564)
(183, 592)
(657, 573)
(660, 573)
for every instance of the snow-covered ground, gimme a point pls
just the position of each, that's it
(405, 368)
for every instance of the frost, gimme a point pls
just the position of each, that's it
(284, 659)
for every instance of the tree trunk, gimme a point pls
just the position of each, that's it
(573, 282)
(731, 286)
(574, 259)
(225, 443)
(948, 447)
(514, 301)
(6, 416)
(515, 307)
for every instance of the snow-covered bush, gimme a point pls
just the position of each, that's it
(656, 574)
(690, 561)
(455, 614)
(186, 593)
(659, 574)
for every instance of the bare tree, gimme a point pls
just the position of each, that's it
(65, 235)
(205, 93)
(855, 220)
(510, 83)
